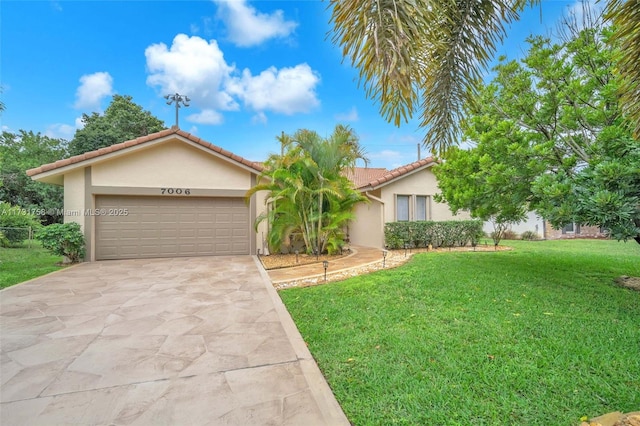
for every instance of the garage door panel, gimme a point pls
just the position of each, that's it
(171, 226)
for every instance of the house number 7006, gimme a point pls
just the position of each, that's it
(176, 191)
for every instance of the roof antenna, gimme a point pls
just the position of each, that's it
(419, 152)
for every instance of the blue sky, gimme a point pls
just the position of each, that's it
(251, 68)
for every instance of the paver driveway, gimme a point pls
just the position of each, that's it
(161, 341)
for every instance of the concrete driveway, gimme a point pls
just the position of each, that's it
(184, 341)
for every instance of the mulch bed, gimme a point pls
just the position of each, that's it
(277, 261)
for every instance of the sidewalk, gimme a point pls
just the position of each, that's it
(361, 260)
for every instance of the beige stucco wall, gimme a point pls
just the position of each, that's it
(74, 197)
(422, 182)
(171, 164)
(367, 229)
(263, 228)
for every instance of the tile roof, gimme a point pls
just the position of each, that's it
(139, 141)
(361, 176)
(365, 178)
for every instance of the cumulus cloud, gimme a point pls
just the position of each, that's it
(93, 88)
(247, 26)
(191, 66)
(351, 115)
(287, 91)
(206, 116)
(196, 68)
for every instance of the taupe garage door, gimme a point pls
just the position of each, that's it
(170, 226)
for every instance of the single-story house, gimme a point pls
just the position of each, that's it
(402, 194)
(173, 194)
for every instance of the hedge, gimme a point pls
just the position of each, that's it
(453, 233)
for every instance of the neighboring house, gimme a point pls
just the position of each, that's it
(402, 194)
(172, 194)
(162, 195)
(573, 230)
(532, 222)
(546, 231)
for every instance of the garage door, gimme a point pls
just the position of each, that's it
(142, 227)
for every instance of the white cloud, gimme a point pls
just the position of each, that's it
(93, 88)
(193, 130)
(351, 115)
(191, 67)
(196, 68)
(60, 131)
(259, 118)
(79, 123)
(287, 91)
(206, 116)
(249, 27)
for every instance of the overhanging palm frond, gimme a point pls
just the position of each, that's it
(430, 49)
(625, 15)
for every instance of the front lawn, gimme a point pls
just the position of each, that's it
(535, 336)
(22, 263)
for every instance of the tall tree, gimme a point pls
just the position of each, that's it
(550, 137)
(122, 120)
(20, 152)
(310, 197)
(429, 56)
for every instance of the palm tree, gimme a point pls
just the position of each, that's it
(430, 54)
(309, 195)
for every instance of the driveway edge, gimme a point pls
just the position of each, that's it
(318, 385)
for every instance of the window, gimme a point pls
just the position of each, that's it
(402, 208)
(571, 228)
(421, 207)
(412, 207)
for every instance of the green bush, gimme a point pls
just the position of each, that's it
(63, 240)
(509, 234)
(437, 234)
(15, 223)
(530, 236)
(4, 241)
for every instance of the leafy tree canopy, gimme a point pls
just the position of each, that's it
(310, 198)
(549, 136)
(122, 120)
(20, 152)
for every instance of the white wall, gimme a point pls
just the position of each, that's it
(532, 222)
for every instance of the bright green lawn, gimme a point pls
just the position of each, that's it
(536, 336)
(21, 263)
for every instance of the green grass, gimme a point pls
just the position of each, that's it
(18, 264)
(535, 336)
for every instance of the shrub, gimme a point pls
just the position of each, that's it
(509, 234)
(63, 240)
(438, 234)
(4, 241)
(530, 236)
(15, 223)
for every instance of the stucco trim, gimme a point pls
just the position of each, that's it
(157, 192)
(88, 220)
(60, 167)
(252, 218)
